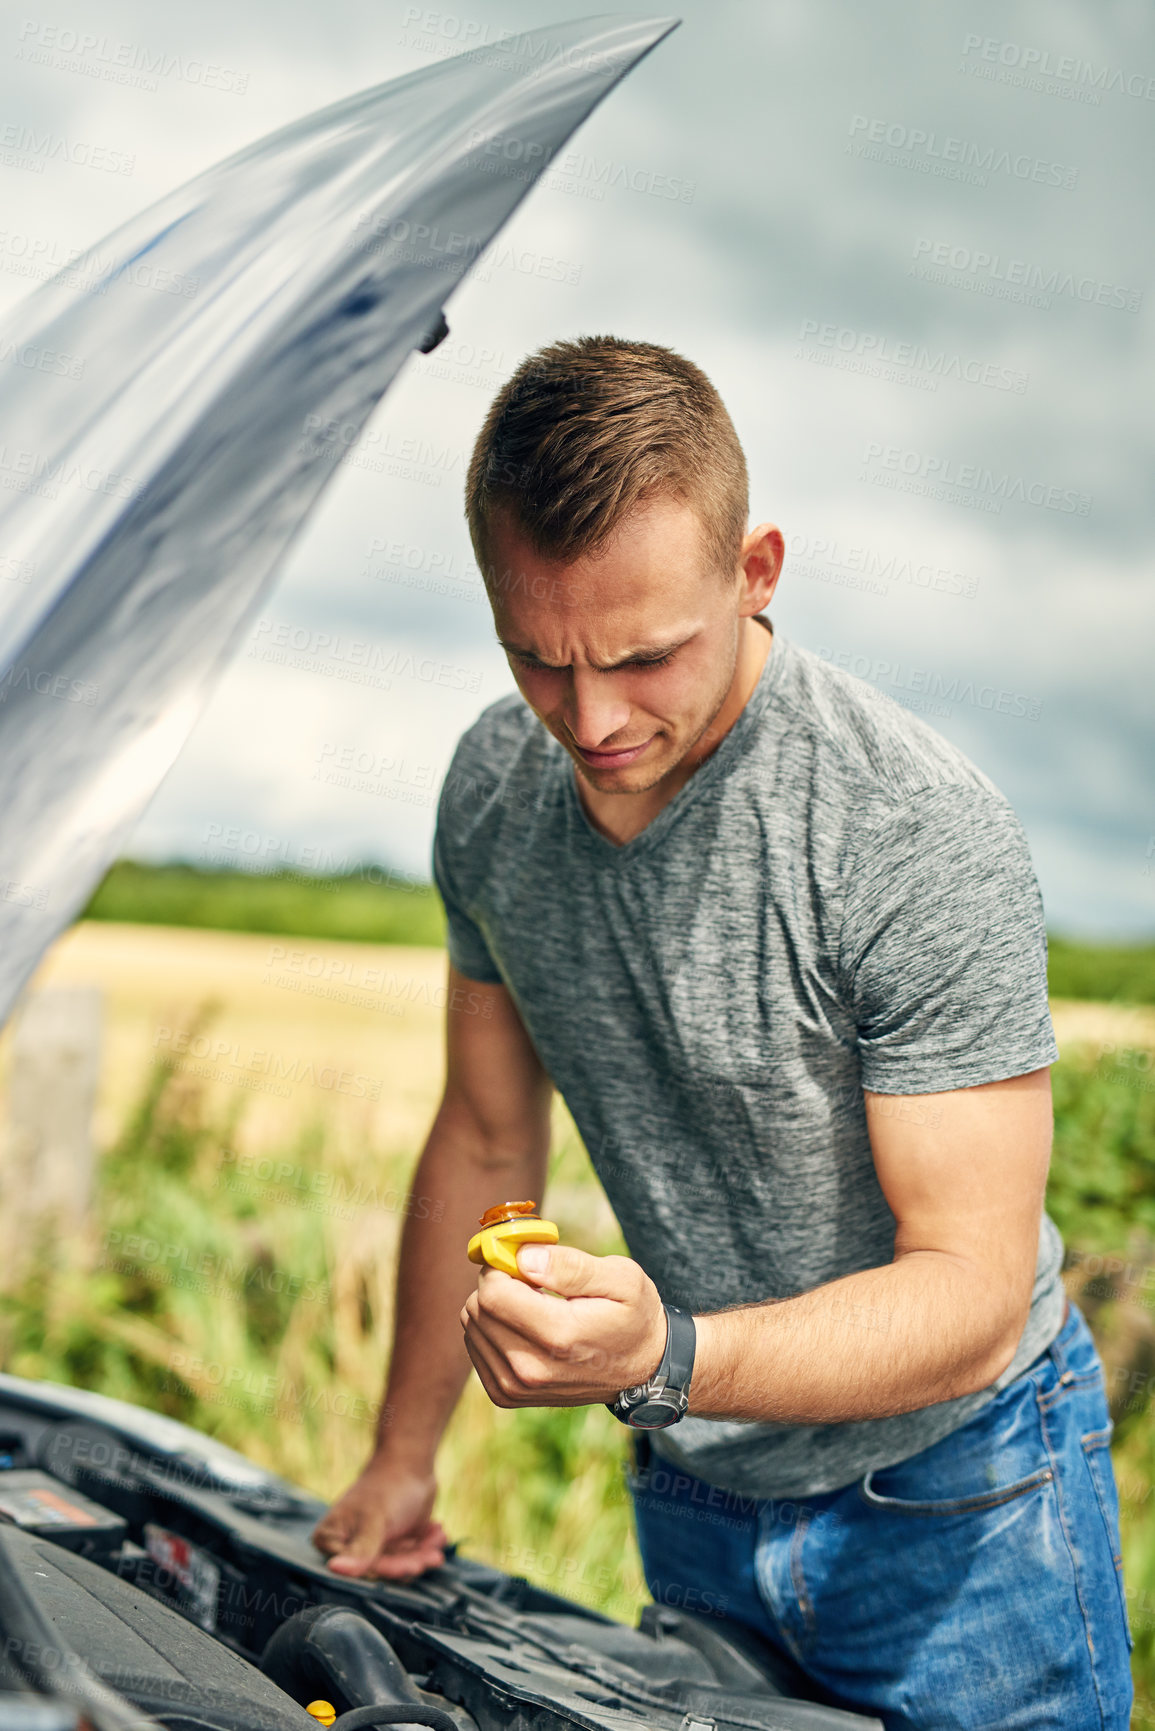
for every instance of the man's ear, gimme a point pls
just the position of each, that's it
(760, 561)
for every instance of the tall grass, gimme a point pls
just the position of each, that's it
(252, 1297)
(1102, 1195)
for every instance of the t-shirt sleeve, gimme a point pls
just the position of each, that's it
(943, 950)
(468, 950)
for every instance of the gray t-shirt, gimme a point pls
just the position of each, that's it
(836, 900)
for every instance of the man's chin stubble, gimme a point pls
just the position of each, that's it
(594, 777)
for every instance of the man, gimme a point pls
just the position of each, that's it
(780, 947)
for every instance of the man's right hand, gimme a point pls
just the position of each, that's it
(381, 1528)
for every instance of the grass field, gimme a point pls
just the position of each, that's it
(372, 904)
(262, 1103)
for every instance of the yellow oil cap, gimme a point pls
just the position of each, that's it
(503, 1229)
(323, 1712)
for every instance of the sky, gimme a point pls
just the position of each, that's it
(911, 246)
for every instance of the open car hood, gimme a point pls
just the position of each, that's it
(216, 335)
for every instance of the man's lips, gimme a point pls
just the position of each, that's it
(612, 759)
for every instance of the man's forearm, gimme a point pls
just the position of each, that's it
(943, 1319)
(922, 1329)
(453, 1183)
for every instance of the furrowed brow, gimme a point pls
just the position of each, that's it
(648, 652)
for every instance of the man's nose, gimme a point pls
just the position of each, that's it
(594, 711)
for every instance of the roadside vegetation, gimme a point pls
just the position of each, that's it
(245, 1286)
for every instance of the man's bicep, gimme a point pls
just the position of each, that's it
(494, 1080)
(964, 1173)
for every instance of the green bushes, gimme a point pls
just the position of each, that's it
(370, 904)
(1111, 974)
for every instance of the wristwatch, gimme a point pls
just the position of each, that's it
(663, 1400)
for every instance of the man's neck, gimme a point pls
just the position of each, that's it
(622, 816)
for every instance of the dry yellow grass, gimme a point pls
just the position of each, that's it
(307, 1031)
(1089, 1024)
(304, 1028)
(312, 1029)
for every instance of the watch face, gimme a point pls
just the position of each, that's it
(655, 1415)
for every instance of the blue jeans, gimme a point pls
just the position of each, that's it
(976, 1584)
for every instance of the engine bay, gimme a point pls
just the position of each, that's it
(146, 1569)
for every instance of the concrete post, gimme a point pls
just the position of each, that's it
(46, 1177)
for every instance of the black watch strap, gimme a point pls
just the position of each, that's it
(681, 1341)
(664, 1399)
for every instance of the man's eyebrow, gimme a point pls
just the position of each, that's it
(646, 652)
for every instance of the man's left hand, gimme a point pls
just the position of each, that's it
(586, 1328)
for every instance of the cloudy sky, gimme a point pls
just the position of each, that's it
(913, 248)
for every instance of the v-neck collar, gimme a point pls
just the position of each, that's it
(702, 779)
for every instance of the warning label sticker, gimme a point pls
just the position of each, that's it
(195, 1575)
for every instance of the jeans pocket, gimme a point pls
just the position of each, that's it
(953, 1505)
(1097, 1453)
(998, 1455)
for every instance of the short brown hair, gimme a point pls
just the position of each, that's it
(585, 431)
